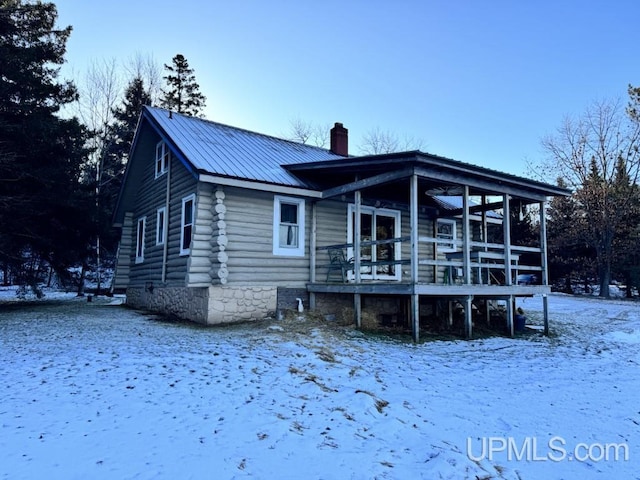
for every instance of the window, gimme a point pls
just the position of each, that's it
(160, 225)
(140, 240)
(446, 235)
(188, 210)
(288, 226)
(376, 225)
(162, 159)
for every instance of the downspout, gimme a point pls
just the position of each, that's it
(165, 250)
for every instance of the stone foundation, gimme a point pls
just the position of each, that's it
(234, 304)
(208, 305)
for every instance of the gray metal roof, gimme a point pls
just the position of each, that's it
(454, 202)
(219, 149)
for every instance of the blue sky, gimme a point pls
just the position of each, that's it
(477, 81)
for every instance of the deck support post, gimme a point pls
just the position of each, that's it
(468, 316)
(415, 317)
(487, 307)
(510, 303)
(357, 309)
(545, 313)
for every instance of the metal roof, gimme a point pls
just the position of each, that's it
(222, 150)
(454, 202)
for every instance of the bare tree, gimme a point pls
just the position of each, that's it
(308, 133)
(377, 141)
(149, 71)
(598, 155)
(100, 92)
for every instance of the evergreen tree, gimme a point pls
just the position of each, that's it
(626, 244)
(43, 211)
(183, 92)
(569, 255)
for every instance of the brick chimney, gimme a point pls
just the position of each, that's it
(340, 140)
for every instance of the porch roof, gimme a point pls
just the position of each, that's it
(441, 175)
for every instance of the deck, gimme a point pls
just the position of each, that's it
(478, 273)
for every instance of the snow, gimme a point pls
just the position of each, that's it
(97, 390)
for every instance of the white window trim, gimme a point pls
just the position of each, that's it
(288, 251)
(446, 246)
(161, 227)
(192, 197)
(140, 238)
(163, 159)
(397, 250)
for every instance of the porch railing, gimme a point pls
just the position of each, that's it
(487, 261)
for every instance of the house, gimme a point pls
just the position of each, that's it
(220, 224)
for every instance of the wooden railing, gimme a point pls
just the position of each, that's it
(487, 261)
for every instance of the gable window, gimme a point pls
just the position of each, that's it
(446, 234)
(162, 159)
(140, 239)
(160, 225)
(288, 226)
(186, 231)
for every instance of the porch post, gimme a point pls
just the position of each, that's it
(466, 235)
(413, 208)
(313, 253)
(506, 228)
(415, 298)
(543, 263)
(357, 235)
(357, 309)
(485, 228)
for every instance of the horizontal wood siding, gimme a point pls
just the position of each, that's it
(425, 251)
(249, 227)
(149, 197)
(331, 226)
(183, 184)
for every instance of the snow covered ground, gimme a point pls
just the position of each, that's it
(95, 390)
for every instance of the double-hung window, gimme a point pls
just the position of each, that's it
(140, 233)
(162, 158)
(161, 220)
(288, 226)
(186, 231)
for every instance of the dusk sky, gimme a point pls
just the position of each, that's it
(478, 81)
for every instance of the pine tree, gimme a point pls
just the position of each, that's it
(43, 210)
(183, 92)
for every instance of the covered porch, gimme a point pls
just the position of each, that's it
(453, 244)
